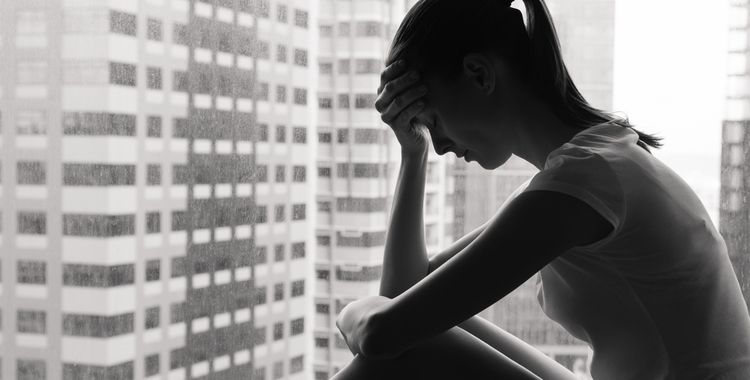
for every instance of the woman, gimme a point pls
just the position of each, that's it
(628, 258)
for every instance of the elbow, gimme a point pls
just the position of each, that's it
(376, 343)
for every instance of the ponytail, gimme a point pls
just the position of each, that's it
(551, 77)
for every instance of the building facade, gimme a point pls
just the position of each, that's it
(155, 204)
(734, 221)
(358, 163)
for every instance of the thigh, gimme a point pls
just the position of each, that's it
(453, 354)
(516, 349)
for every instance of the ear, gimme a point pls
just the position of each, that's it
(480, 71)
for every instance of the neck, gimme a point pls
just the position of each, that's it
(539, 132)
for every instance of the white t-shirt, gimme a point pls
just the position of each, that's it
(657, 298)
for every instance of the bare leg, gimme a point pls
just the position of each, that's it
(453, 354)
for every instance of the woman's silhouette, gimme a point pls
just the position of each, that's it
(629, 260)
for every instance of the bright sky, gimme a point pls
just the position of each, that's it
(669, 79)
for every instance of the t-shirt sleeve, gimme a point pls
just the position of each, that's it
(587, 176)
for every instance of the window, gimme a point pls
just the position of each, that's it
(154, 29)
(344, 66)
(300, 57)
(299, 135)
(281, 13)
(298, 250)
(180, 34)
(325, 68)
(325, 30)
(278, 291)
(278, 370)
(262, 132)
(369, 29)
(31, 369)
(153, 175)
(151, 365)
(153, 126)
(368, 66)
(344, 29)
(122, 74)
(30, 222)
(280, 173)
(262, 91)
(321, 342)
(153, 76)
(296, 364)
(31, 321)
(300, 173)
(122, 23)
(261, 255)
(324, 102)
(153, 270)
(31, 122)
(264, 50)
(342, 136)
(279, 252)
(364, 101)
(280, 213)
(300, 96)
(31, 173)
(152, 317)
(322, 308)
(297, 326)
(98, 276)
(31, 272)
(281, 94)
(280, 133)
(324, 137)
(298, 288)
(298, 212)
(281, 53)
(300, 18)
(343, 100)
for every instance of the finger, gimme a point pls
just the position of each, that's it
(394, 88)
(404, 118)
(402, 101)
(390, 72)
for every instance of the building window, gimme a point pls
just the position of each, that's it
(324, 241)
(34, 223)
(96, 124)
(98, 174)
(298, 250)
(278, 331)
(264, 50)
(153, 126)
(280, 173)
(324, 172)
(151, 365)
(177, 312)
(153, 75)
(31, 321)
(369, 29)
(324, 137)
(300, 18)
(281, 53)
(122, 23)
(296, 364)
(261, 254)
(298, 211)
(282, 13)
(259, 295)
(324, 102)
(343, 100)
(279, 252)
(321, 342)
(368, 66)
(153, 270)
(97, 326)
(344, 29)
(262, 91)
(154, 30)
(300, 57)
(281, 94)
(31, 272)
(280, 133)
(152, 317)
(98, 276)
(342, 136)
(31, 122)
(299, 173)
(278, 291)
(179, 81)
(322, 308)
(280, 213)
(297, 326)
(325, 30)
(298, 288)
(299, 135)
(123, 74)
(153, 174)
(180, 34)
(344, 66)
(31, 369)
(31, 173)
(364, 101)
(98, 225)
(300, 96)
(278, 370)
(325, 68)
(262, 132)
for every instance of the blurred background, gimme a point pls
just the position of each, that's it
(195, 189)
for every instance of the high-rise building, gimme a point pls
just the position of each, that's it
(586, 32)
(155, 196)
(358, 163)
(734, 220)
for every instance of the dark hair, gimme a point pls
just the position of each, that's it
(435, 35)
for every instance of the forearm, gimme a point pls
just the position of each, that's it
(405, 259)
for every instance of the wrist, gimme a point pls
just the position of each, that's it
(414, 154)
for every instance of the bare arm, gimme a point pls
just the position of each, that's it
(405, 257)
(535, 228)
(440, 258)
